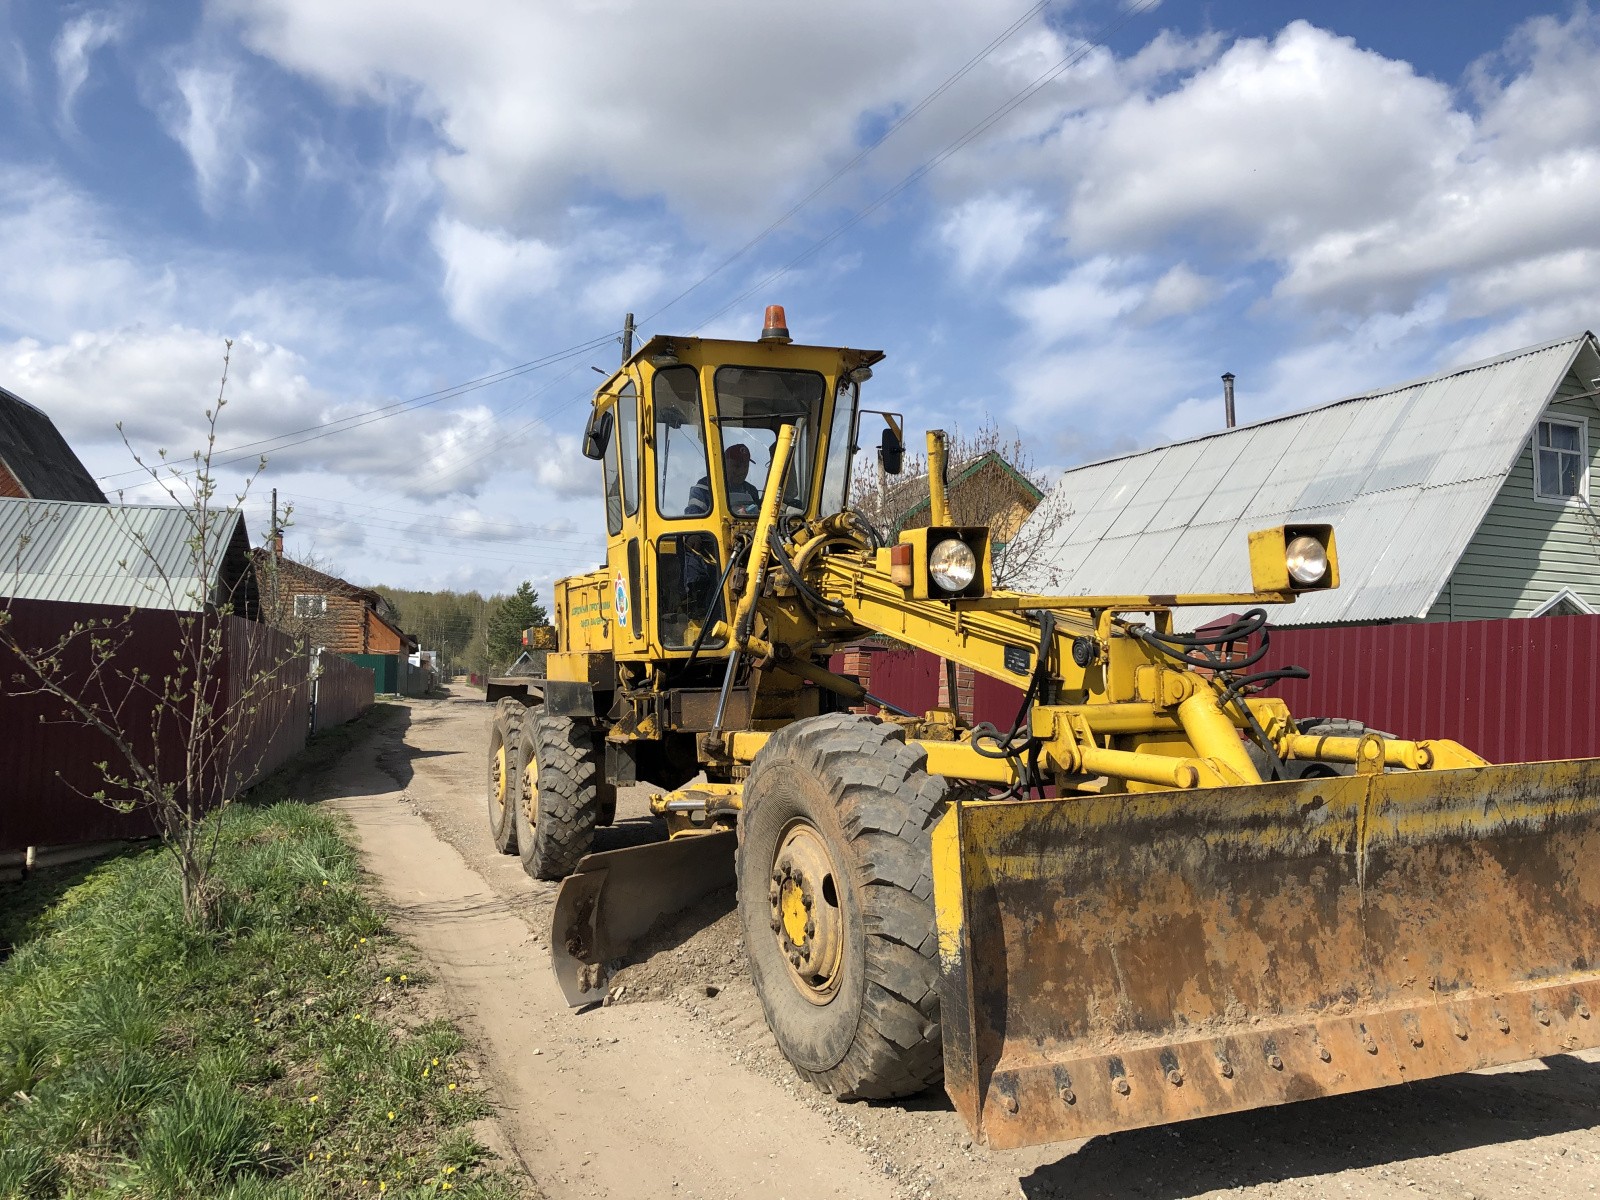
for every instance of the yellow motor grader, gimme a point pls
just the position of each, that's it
(1155, 896)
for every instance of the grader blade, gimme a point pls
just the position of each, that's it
(614, 897)
(1124, 961)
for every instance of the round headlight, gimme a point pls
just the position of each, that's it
(952, 564)
(1307, 560)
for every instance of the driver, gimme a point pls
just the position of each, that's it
(743, 499)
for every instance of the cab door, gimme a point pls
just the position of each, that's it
(625, 527)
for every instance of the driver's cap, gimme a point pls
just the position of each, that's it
(738, 452)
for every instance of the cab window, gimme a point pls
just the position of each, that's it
(628, 447)
(613, 490)
(753, 403)
(836, 474)
(680, 445)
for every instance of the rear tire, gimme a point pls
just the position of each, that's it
(505, 739)
(558, 795)
(852, 998)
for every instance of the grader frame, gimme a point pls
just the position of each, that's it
(1158, 896)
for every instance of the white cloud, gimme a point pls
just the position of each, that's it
(74, 47)
(1179, 291)
(158, 382)
(64, 269)
(1087, 299)
(562, 470)
(987, 235)
(1272, 142)
(211, 118)
(487, 270)
(721, 110)
(1365, 185)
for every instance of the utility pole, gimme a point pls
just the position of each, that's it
(627, 337)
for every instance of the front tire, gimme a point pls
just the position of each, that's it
(836, 902)
(505, 745)
(558, 795)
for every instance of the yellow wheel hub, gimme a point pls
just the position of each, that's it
(529, 792)
(806, 918)
(499, 781)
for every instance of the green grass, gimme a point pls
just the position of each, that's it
(252, 1061)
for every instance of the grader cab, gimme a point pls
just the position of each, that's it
(1157, 895)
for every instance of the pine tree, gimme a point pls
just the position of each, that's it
(514, 614)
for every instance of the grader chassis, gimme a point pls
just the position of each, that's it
(1158, 896)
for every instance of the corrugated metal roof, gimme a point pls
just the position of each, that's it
(137, 555)
(1404, 475)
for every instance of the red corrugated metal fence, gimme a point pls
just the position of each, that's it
(1520, 690)
(48, 758)
(1512, 690)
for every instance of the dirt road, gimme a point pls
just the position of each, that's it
(678, 1089)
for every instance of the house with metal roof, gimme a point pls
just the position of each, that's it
(127, 555)
(35, 460)
(1464, 495)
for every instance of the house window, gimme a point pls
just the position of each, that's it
(1565, 603)
(1561, 460)
(306, 607)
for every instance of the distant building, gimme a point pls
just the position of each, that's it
(996, 493)
(35, 461)
(326, 610)
(1461, 496)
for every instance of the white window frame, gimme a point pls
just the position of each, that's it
(1581, 424)
(309, 611)
(1568, 595)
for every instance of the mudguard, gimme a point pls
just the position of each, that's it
(1123, 961)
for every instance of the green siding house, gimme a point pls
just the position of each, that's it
(1462, 496)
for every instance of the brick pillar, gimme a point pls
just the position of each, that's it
(966, 682)
(858, 665)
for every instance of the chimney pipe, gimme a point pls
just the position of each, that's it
(1227, 398)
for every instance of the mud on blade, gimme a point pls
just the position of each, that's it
(1125, 961)
(614, 897)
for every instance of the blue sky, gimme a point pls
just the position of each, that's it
(379, 201)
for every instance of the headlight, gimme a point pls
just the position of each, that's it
(1307, 560)
(952, 564)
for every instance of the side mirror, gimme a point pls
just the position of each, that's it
(598, 434)
(892, 452)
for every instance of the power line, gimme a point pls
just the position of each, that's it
(1009, 106)
(895, 126)
(345, 424)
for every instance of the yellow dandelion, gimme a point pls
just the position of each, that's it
(402, 979)
(310, 1154)
(436, 1062)
(425, 1071)
(452, 1087)
(258, 1020)
(382, 1186)
(449, 1170)
(358, 1016)
(328, 1157)
(391, 1114)
(446, 1186)
(388, 979)
(313, 1097)
(324, 883)
(363, 941)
